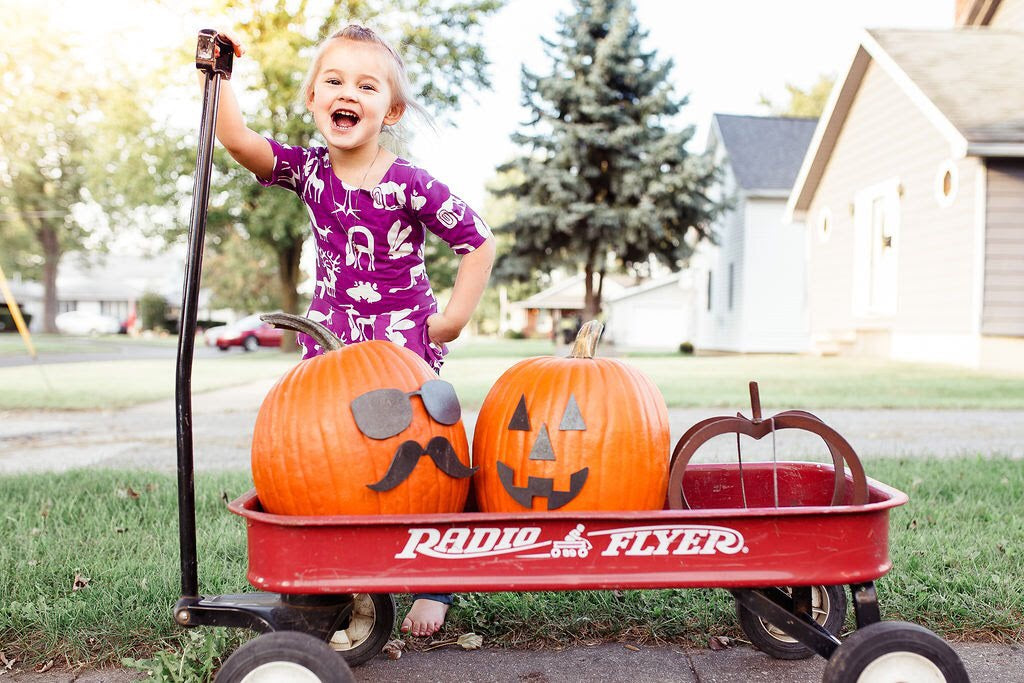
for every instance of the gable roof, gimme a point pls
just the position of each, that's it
(765, 152)
(969, 82)
(569, 293)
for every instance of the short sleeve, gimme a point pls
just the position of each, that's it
(289, 166)
(445, 215)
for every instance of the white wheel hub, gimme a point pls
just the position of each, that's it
(360, 625)
(820, 608)
(281, 672)
(901, 667)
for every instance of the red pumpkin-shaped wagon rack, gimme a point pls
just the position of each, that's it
(784, 537)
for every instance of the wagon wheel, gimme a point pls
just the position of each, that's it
(369, 627)
(828, 607)
(756, 427)
(894, 651)
(284, 657)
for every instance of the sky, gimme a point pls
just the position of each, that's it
(727, 54)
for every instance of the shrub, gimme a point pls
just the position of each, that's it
(152, 309)
(686, 348)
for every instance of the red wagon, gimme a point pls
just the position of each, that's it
(785, 538)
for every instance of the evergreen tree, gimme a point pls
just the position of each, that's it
(602, 174)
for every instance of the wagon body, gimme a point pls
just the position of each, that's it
(719, 543)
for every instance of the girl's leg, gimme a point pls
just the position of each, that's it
(426, 616)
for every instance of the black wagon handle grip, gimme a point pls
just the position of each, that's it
(207, 58)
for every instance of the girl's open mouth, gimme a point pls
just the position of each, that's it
(344, 119)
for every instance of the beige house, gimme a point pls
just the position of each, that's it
(913, 193)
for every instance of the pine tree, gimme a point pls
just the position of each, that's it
(602, 172)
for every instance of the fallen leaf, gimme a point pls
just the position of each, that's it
(45, 667)
(8, 663)
(718, 642)
(912, 524)
(632, 648)
(80, 582)
(470, 641)
(393, 649)
(127, 492)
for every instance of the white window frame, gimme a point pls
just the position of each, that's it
(950, 167)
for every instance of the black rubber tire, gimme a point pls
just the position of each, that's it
(271, 650)
(383, 608)
(868, 644)
(833, 605)
(250, 343)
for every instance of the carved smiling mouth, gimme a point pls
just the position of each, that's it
(344, 118)
(541, 487)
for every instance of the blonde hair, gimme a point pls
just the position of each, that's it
(401, 88)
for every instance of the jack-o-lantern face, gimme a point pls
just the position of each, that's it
(543, 487)
(578, 433)
(344, 433)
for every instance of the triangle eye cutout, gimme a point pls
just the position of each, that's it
(520, 420)
(572, 420)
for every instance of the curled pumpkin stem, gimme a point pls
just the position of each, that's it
(585, 345)
(320, 334)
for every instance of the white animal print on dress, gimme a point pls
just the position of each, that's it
(398, 241)
(389, 196)
(481, 227)
(415, 273)
(360, 243)
(462, 248)
(358, 325)
(451, 212)
(364, 291)
(347, 207)
(323, 232)
(417, 201)
(399, 322)
(314, 188)
(288, 175)
(331, 265)
(318, 317)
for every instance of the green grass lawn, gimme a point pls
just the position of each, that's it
(473, 367)
(90, 567)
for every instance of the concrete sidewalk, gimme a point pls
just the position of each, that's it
(144, 436)
(985, 663)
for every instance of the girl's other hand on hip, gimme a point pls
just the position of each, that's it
(442, 329)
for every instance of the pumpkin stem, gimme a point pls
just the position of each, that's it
(585, 345)
(320, 334)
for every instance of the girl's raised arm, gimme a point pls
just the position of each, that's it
(246, 146)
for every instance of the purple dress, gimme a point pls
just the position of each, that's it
(371, 282)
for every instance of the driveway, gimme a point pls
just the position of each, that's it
(144, 436)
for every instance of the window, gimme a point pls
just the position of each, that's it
(709, 290)
(65, 306)
(947, 183)
(732, 282)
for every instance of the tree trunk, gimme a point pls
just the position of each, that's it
(591, 298)
(50, 241)
(288, 277)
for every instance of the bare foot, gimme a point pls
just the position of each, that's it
(425, 617)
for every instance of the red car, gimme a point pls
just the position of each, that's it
(250, 333)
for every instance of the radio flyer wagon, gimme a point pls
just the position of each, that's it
(786, 538)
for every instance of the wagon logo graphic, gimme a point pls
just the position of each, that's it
(458, 543)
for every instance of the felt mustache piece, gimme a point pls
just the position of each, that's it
(408, 454)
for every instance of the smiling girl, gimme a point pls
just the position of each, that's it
(369, 211)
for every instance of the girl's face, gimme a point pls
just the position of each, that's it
(351, 100)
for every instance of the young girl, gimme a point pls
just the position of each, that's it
(369, 211)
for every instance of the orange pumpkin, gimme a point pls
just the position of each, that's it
(577, 433)
(342, 433)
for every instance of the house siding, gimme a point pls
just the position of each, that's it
(886, 137)
(1003, 307)
(1010, 15)
(774, 299)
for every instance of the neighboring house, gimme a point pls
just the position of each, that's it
(540, 314)
(913, 191)
(750, 285)
(655, 315)
(108, 285)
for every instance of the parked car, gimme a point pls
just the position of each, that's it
(87, 322)
(250, 333)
